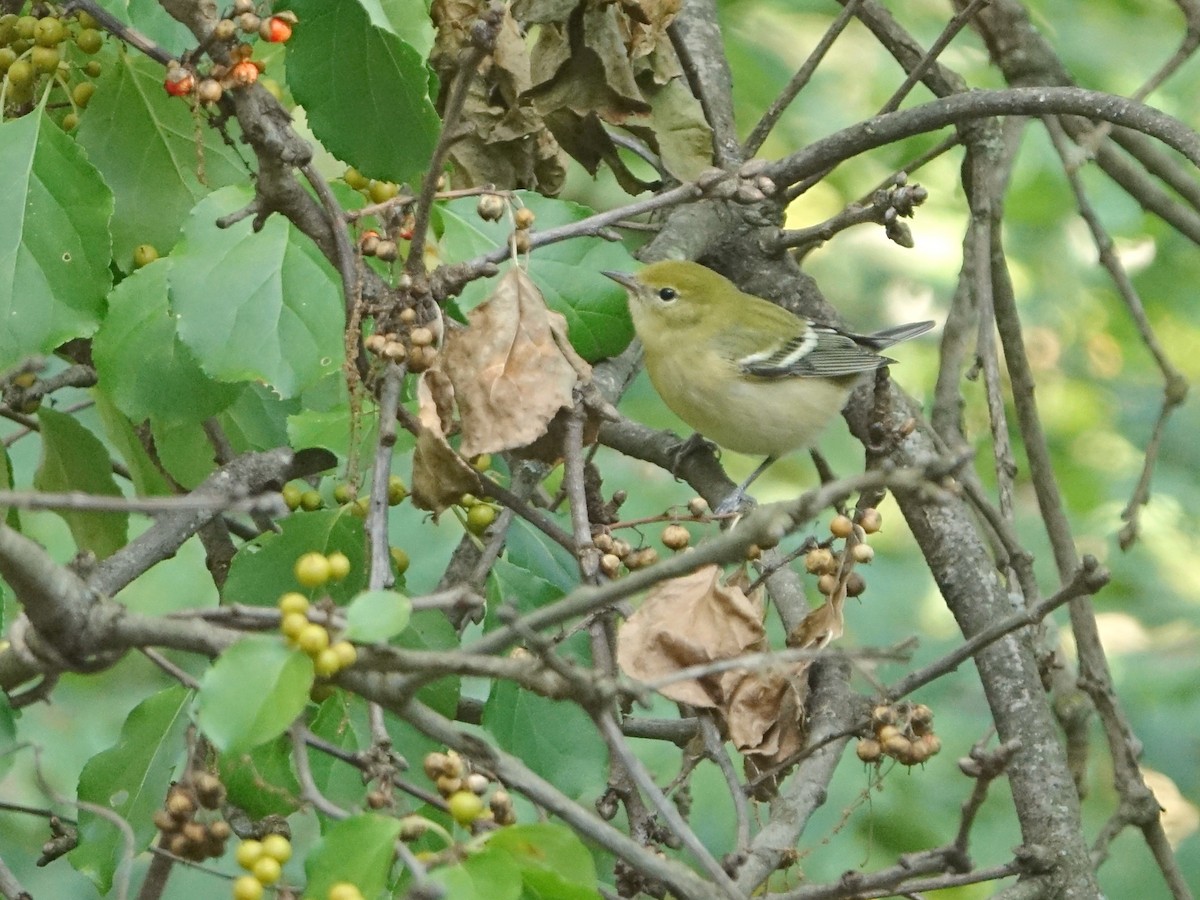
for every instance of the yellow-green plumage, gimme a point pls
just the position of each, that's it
(742, 371)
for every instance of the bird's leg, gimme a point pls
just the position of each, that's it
(735, 500)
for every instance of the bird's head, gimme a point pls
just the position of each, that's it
(672, 292)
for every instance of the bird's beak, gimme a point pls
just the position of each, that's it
(624, 279)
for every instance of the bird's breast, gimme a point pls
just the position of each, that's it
(761, 417)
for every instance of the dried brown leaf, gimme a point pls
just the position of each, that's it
(440, 476)
(690, 621)
(765, 713)
(823, 625)
(512, 368)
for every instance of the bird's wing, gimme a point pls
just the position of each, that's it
(821, 352)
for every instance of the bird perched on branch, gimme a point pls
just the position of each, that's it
(743, 372)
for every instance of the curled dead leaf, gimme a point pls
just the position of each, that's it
(688, 621)
(697, 619)
(512, 368)
(440, 476)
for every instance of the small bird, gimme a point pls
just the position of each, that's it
(743, 372)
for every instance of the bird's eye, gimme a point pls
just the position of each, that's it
(667, 294)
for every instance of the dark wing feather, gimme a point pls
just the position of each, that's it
(834, 354)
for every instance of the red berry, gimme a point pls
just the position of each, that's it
(275, 29)
(244, 73)
(179, 83)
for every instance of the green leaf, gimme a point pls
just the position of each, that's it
(262, 569)
(253, 692)
(359, 849)
(529, 549)
(342, 721)
(130, 779)
(557, 739)
(567, 273)
(73, 459)
(184, 451)
(376, 616)
(147, 479)
(346, 72)
(261, 782)
(255, 307)
(486, 875)
(258, 419)
(8, 723)
(149, 17)
(144, 142)
(407, 19)
(54, 244)
(166, 383)
(554, 863)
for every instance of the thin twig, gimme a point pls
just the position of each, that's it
(771, 117)
(666, 809)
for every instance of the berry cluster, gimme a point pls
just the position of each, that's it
(263, 860)
(182, 832)
(394, 212)
(36, 51)
(241, 70)
(464, 790)
(903, 731)
(618, 552)
(309, 499)
(413, 342)
(329, 656)
(478, 515)
(522, 222)
(835, 567)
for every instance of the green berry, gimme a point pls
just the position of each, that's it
(89, 40)
(313, 639)
(45, 59)
(291, 496)
(49, 32)
(400, 560)
(397, 490)
(21, 74)
(381, 191)
(327, 663)
(311, 501)
(465, 807)
(293, 602)
(292, 624)
(143, 255)
(248, 853)
(26, 26)
(346, 653)
(343, 493)
(277, 847)
(267, 870)
(480, 517)
(312, 570)
(81, 94)
(339, 565)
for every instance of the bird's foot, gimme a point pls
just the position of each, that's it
(737, 502)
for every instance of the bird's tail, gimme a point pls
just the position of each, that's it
(894, 335)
